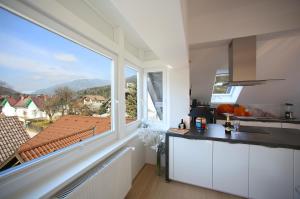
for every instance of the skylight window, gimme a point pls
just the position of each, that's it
(223, 93)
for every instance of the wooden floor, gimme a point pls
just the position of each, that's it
(148, 185)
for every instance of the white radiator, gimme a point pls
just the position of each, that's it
(110, 179)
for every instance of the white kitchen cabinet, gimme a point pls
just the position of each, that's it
(297, 174)
(192, 161)
(270, 173)
(290, 126)
(171, 157)
(230, 168)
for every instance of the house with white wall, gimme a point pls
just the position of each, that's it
(30, 108)
(7, 106)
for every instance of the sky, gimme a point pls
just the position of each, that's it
(33, 58)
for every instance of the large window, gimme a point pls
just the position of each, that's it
(58, 89)
(155, 96)
(131, 94)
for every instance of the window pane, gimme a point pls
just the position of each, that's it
(131, 94)
(219, 88)
(59, 90)
(155, 96)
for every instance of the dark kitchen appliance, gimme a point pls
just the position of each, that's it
(289, 111)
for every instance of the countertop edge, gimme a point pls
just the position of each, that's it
(234, 141)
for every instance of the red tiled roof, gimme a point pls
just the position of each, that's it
(64, 132)
(39, 101)
(11, 100)
(23, 102)
(12, 135)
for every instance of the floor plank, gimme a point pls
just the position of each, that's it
(148, 185)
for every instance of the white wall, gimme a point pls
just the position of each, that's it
(8, 110)
(138, 156)
(178, 100)
(204, 64)
(277, 57)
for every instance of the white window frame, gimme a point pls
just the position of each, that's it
(162, 123)
(130, 127)
(76, 159)
(103, 138)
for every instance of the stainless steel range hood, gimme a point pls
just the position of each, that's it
(242, 63)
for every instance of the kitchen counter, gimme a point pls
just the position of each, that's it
(256, 162)
(265, 136)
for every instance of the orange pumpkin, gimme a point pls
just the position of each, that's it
(225, 108)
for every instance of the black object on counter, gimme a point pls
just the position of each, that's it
(203, 111)
(181, 125)
(227, 125)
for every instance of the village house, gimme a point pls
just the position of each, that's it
(10, 140)
(7, 106)
(93, 101)
(30, 107)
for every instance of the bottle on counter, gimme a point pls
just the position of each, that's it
(203, 123)
(198, 123)
(227, 125)
(181, 125)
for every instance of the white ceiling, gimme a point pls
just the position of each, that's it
(101, 13)
(161, 25)
(215, 20)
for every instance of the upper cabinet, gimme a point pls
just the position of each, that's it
(270, 173)
(192, 161)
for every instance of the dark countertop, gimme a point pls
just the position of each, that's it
(261, 119)
(265, 136)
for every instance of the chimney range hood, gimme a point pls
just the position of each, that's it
(242, 63)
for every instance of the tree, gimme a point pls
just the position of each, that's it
(105, 107)
(131, 101)
(64, 95)
(51, 106)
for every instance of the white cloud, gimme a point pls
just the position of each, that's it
(65, 57)
(21, 45)
(37, 68)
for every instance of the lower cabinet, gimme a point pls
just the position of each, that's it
(297, 174)
(250, 171)
(192, 161)
(270, 173)
(290, 126)
(230, 168)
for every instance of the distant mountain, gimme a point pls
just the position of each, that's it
(102, 91)
(5, 89)
(131, 79)
(76, 85)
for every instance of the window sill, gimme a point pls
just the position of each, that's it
(44, 178)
